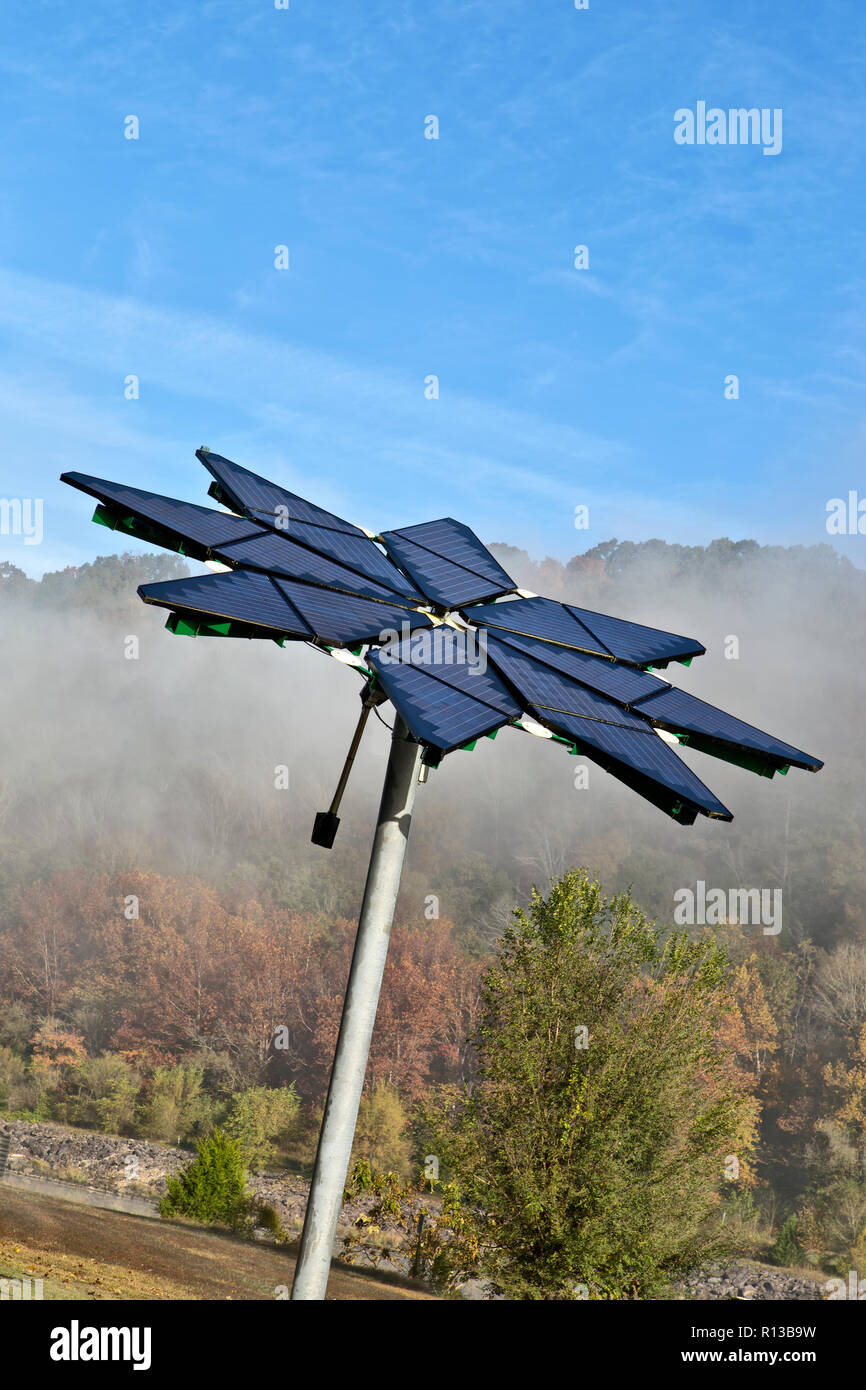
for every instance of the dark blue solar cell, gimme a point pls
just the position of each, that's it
(457, 658)
(241, 596)
(624, 684)
(538, 617)
(203, 526)
(267, 502)
(443, 705)
(678, 711)
(634, 642)
(293, 518)
(544, 688)
(358, 553)
(268, 551)
(625, 751)
(448, 562)
(342, 620)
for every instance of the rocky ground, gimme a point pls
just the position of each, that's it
(141, 1167)
(748, 1280)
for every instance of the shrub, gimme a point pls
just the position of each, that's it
(107, 1088)
(213, 1187)
(263, 1122)
(173, 1104)
(786, 1249)
(380, 1134)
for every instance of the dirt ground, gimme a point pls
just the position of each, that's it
(85, 1253)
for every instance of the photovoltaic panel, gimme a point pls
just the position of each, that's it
(240, 596)
(456, 658)
(443, 707)
(544, 689)
(341, 620)
(448, 562)
(291, 517)
(265, 501)
(300, 571)
(201, 527)
(284, 557)
(358, 553)
(642, 760)
(634, 642)
(538, 617)
(621, 683)
(679, 712)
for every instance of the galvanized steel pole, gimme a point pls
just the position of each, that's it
(359, 1014)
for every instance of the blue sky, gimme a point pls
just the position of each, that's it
(409, 257)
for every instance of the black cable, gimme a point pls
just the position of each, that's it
(382, 721)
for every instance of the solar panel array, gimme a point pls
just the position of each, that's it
(432, 620)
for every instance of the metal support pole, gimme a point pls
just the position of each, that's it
(359, 1013)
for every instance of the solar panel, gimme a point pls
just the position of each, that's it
(538, 617)
(448, 562)
(199, 529)
(544, 689)
(278, 555)
(299, 571)
(681, 713)
(241, 596)
(446, 702)
(267, 502)
(341, 620)
(624, 684)
(359, 553)
(634, 642)
(291, 517)
(644, 762)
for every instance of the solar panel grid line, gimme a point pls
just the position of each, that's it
(242, 596)
(542, 618)
(651, 758)
(495, 572)
(484, 689)
(440, 715)
(625, 684)
(250, 489)
(267, 552)
(543, 685)
(448, 561)
(595, 718)
(202, 525)
(681, 712)
(355, 552)
(437, 565)
(288, 516)
(445, 584)
(344, 619)
(635, 641)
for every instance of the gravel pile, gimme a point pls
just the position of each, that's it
(750, 1281)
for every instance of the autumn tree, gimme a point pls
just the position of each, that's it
(593, 1146)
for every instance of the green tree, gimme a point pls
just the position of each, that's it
(593, 1147)
(173, 1103)
(263, 1122)
(380, 1134)
(786, 1249)
(213, 1187)
(106, 1090)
